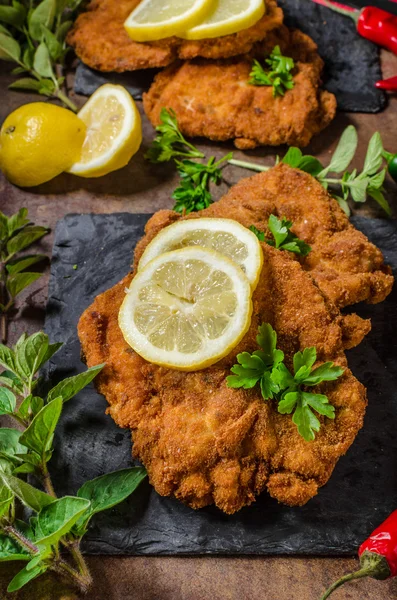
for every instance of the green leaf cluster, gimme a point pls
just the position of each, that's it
(283, 238)
(58, 522)
(278, 74)
(266, 367)
(16, 235)
(32, 34)
(353, 185)
(170, 143)
(193, 192)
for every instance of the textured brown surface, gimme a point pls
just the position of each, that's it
(142, 188)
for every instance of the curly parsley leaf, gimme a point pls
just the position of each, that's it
(170, 142)
(278, 75)
(284, 239)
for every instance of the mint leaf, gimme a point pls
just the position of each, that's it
(57, 519)
(106, 491)
(43, 14)
(69, 387)
(20, 264)
(25, 238)
(10, 441)
(17, 282)
(7, 359)
(10, 550)
(31, 354)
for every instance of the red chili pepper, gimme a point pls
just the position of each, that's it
(387, 84)
(373, 23)
(378, 555)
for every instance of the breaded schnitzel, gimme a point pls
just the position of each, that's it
(346, 266)
(214, 99)
(204, 442)
(100, 40)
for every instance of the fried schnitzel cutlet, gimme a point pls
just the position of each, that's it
(206, 443)
(346, 266)
(101, 42)
(214, 99)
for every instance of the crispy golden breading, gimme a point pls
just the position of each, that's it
(214, 98)
(205, 443)
(100, 40)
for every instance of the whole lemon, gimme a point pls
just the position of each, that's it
(39, 141)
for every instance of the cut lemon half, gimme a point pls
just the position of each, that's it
(114, 132)
(226, 236)
(155, 19)
(227, 17)
(186, 309)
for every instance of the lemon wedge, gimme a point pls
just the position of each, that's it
(156, 19)
(186, 309)
(227, 17)
(226, 236)
(114, 132)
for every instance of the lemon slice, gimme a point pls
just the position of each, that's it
(114, 132)
(156, 19)
(186, 309)
(223, 235)
(227, 16)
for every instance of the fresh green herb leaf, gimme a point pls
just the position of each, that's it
(28, 495)
(259, 234)
(17, 282)
(106, 491)
(344, 152)
(10, 550)
(278, 75)
(67, 388)
(284, 239)
(20, 264)
(170, 143)
(39, 435)
(42, 15)
(24, 576)
(8, 401)
(57, 518)
(374, 157)
(258, 366)
(10, 441)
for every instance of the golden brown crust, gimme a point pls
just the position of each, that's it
(213, 99)
(206, 443)
(100, 40)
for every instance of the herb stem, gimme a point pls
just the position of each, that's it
(75, 551)
(4, 300)
(21, 539)
(47, 483)
(63, 568)
(66, 100)
(248, 165)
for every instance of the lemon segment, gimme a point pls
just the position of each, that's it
(114, 132)
(226, 236)
(227, 17)
(186, 309)
(155, 19)
(38, 141)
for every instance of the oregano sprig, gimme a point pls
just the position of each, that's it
(57, 523)
(353, 184)
(32, 35)
(267, 367)
(16, 234)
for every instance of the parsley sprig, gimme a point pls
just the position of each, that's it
(170, 142)
(267, 367)
(193, 192)
(278, 75)
(16, 235)
(353, 184)
(56, 523)
(283, 238)
(258, 366)
(33, 34)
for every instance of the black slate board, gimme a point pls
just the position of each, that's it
(352, 63)
(360, 494)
